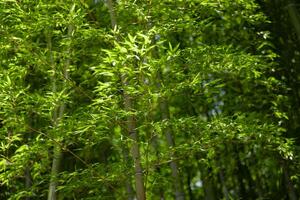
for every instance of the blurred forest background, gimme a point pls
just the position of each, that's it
(149, 99)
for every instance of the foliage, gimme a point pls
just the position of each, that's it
(206, 91)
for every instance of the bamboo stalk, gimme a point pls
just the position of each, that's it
(289, 185)
(57, 117)
(294, 17)
(177, 182)
(55, 159)
(131, 124)
(28, 180)
(168, 132)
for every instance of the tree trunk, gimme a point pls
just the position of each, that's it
(168, 132)
(224, 188)
(131, 124)
(57, 117)
(28, 180)
(208, 190)
(157, 168)
(289, 185)
(177, 182)
(52, 195)
(135, 152)
(165, 115)
(128, 185)
(294, 17)
(246, 183)
(56, 155)
(189, 182)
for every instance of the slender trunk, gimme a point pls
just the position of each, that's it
(240, 177)
(209, 191)
(189, 169)
(168, 132)
(179, 195)
(224, 188)
(133, 135)
(131, 124)
(246, 183)
(189, 182)
(113, 19)
(157, 168)
(135, 152)
(55, 160)
(294, 17)
(52, 195)
(208, 182)
(222, 177)
(289, 185)
(28, 180)
(128, 185)
(27, 171)
(57, 117)
(165, 114)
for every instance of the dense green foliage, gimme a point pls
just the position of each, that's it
(195, 99)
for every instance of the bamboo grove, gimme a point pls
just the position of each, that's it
(169, 99)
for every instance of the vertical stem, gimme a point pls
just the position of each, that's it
(52, 195)
(28, 168)
(157, 168)
(177, 182)
(113, 19)
(240, 177)
(289, 184)
(294, 18)
(129, 189)
(28, 180)
(56, 158)
(189, 182)
(135, 152)
(131, 124)
(224, 188)
(246, 182)
(209, 188)
(57, 117)
(168, 132)
(179, 195)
